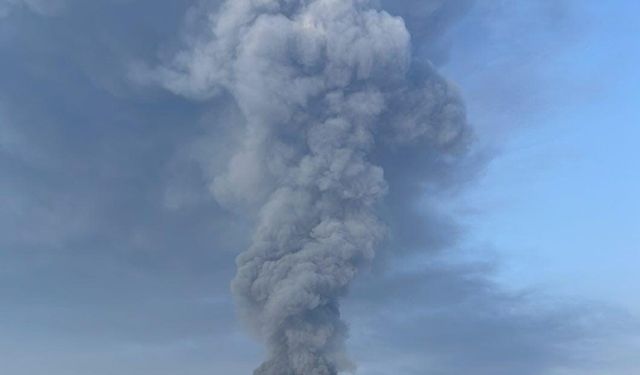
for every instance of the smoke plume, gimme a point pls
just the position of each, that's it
(325, 87)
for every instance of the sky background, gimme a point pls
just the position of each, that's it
(557, 203)
(115, 258)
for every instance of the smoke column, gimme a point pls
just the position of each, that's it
(325, 87)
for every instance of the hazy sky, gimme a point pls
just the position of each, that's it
(116, 258)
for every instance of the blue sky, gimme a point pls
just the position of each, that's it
(116, 258)
(558, 203)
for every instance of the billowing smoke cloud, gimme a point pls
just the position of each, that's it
(325, 87)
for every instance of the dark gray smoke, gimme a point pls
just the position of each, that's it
(323, 85)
